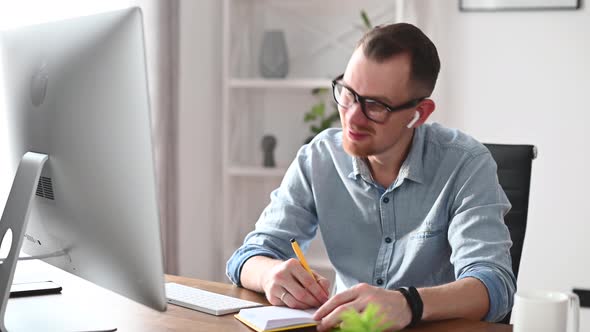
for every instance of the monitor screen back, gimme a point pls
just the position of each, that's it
(77, 91)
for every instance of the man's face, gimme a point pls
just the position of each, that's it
(388, 82)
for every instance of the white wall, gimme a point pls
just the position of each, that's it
(523, 77)
(199, 134)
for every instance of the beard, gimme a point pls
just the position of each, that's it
(358, 149)
(371, 145)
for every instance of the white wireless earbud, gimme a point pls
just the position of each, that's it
(414, 120)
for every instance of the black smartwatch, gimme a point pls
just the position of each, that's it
(414, 301)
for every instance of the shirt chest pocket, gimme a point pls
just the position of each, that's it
(428, 226)
(427, 233)
(428, 243)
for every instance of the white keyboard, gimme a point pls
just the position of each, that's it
(208, 302)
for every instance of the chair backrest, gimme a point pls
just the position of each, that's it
(514, 173)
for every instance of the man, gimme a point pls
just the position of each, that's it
(399, 203)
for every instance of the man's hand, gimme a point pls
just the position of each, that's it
(288, 283)
(392, 306)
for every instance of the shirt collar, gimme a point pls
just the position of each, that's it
(359, 167)
(412, 168)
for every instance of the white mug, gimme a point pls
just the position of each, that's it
(545, 311)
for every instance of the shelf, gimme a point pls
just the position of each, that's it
(261, 83)
(252, 171)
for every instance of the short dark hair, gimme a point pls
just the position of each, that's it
(383, 42)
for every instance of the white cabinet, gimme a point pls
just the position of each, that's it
(319, 37)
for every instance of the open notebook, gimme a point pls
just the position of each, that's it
(272, 319)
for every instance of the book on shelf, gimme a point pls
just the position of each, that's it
(273, 318)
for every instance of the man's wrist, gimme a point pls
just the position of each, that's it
(414, 302)
(265, 273)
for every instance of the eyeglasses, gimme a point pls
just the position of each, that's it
(374, 110)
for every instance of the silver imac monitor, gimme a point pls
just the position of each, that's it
(76, 91)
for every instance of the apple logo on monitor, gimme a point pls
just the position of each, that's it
(39, 85)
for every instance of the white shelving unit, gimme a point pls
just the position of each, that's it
(257, 171)
(260, 83)
(320, 35)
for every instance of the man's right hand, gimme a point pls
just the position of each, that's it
(286, 282)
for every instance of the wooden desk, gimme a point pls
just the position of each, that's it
(180, 319)
(85, 306)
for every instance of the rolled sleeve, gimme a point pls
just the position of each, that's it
(500, 290)
(239, 258)
(478, 236)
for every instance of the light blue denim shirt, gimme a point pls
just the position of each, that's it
(441, 220)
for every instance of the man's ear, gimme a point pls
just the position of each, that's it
(425, 108)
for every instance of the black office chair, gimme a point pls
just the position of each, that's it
(514, 174)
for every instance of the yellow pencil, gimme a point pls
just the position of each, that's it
(301, 258)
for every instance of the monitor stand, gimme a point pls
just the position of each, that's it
(15, 218)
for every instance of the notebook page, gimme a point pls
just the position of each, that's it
(270, 317)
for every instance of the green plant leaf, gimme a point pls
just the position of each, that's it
(309, 116)
(319, 91)
(366, 20)
(368, 321)
(316, 116)
(319, 109)
(334, 116)
(326, 123)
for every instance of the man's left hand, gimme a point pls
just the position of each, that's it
(393, 306)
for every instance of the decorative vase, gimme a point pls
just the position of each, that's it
(274, 60)
(269, 142)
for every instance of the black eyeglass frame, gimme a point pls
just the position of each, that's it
(361, 100)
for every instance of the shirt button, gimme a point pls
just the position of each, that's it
(386, 200)
(388, 239)
(379, 281)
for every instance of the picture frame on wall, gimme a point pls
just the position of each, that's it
(505, 5)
